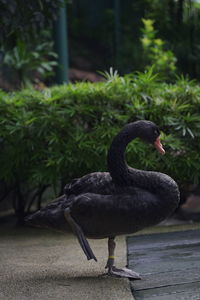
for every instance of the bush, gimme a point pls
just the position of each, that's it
(155, 52)
(26, 46)
(50, 137)
(31, 62)
(23, 20)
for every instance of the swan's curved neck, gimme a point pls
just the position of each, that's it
(117, 165)
(155, 182)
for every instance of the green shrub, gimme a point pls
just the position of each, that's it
(32, 61)
(50, 137)
(155, 53)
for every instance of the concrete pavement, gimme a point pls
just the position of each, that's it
(37, 264)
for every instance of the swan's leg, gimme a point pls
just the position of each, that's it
(79, 234)
(111, 252)
(112, 270)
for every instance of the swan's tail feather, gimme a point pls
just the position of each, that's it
(38, 219)
(50, 216)
(80, 235)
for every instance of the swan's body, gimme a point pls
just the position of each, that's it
(121, 201)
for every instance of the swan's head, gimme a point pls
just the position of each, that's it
(149, 132)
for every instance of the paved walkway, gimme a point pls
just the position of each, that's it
(169, 264)
(37, 264)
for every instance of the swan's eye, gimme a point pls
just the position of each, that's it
(156, 132)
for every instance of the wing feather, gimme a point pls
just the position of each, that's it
(97, 183)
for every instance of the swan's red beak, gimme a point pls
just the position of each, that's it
(159, 146)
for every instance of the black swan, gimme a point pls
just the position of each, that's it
(121, 201)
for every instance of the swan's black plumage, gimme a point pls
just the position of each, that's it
(122, 200)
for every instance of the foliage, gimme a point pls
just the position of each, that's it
(26, 59)
(154, 52)
(25, 19)
(50, 137)
(26, 45)
(177, 22)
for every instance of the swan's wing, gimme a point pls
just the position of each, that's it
(52, 215)
(98, 183)
(109, 215)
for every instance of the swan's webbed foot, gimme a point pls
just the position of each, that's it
(112, 270)
(124, 272)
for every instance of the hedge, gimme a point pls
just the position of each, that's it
(49, 137)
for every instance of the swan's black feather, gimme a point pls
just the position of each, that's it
(97, 182)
